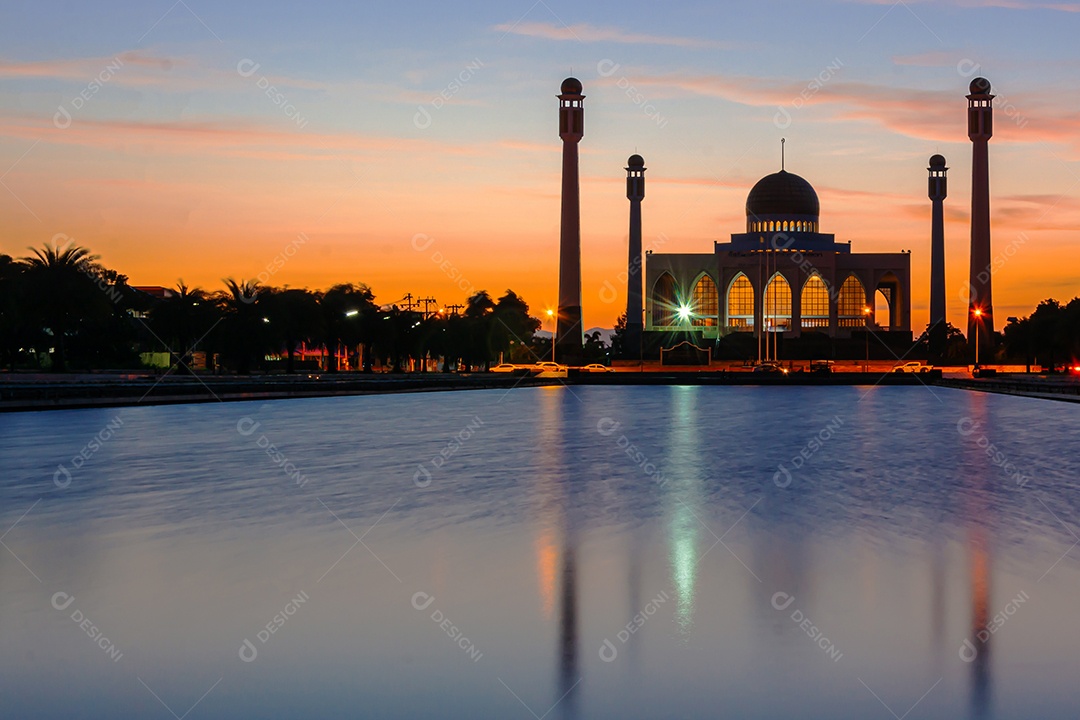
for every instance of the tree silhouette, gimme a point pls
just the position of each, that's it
(294, 319)
(66, 297)
(244, 336)
(345, 311)
(181, 320)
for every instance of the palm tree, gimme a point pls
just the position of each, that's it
(243, 326)
(62, 295)
(181, 320)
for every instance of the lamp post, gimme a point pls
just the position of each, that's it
(978, 321)
(551, 315)
(866, 337)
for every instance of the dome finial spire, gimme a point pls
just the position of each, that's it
(782, 141)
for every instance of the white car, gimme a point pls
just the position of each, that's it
(596, 367)
(912, 367)
(544, 366)
(504, 368)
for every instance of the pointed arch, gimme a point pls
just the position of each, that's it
(814, 303)
(883, 307)
(777, 304)
(851, 303)
(705, 302)
(665, 301)
(740, 303)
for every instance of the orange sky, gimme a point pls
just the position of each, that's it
(182, 167)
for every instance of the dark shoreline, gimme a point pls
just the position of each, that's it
(60, 393)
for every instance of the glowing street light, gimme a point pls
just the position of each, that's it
(551, 314)
(352, 313)
(978, 321)
(866, 337)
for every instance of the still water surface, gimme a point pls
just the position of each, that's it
(588, 552)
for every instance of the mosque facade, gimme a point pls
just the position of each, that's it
(782, 274)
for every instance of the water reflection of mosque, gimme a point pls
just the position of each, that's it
(557, 551)
(561, 519)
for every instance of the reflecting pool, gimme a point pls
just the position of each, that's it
(575, 552)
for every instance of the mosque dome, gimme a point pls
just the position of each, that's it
(937, 161)
(980, 86)
(782, 195)
(571, 86)
(635, 161)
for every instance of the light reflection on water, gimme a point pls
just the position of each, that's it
(581, 567)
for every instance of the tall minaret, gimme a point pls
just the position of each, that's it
(980, 129)
(635, 193)
(569, 335)
(938, 189)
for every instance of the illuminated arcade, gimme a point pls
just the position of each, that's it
(782, 274)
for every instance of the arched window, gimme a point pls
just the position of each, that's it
(851, 303)
(777, 304)
(665, 303)
(815, 303)
(705, 305)
(883, 307)
(740, 304)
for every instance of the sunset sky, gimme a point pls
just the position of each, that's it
(414, 147)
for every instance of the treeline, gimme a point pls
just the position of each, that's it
(1049, 337)
(61, 309)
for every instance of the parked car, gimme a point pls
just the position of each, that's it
(505, 368)
(770, 367)
(548, 365)
(596, 367)
(912, 367)
(821, 367)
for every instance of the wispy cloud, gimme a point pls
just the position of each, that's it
(1003, 4)
(923, 114)
(235, 137)
(83, 68)
(590, 33)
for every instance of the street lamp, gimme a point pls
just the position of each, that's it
(866, 337)
(551, 314)
(978, 321)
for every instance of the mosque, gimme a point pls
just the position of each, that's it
(807, 281)
(782, 277)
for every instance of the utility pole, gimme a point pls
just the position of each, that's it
(428, 302)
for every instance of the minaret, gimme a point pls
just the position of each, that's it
(635, 193)
(938, 189)
(569, 335)
(980, 129)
